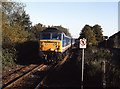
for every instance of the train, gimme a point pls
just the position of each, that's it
(54, 44)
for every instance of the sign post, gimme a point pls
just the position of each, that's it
(83, 46)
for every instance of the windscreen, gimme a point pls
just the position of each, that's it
(45, 36)
(56, 36)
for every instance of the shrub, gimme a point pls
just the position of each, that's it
(8, 56)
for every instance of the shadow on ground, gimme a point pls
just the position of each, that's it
(67, 76)
(28, 53)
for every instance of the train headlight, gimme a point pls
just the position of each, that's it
(46, 44)
(42, 42)
(57, 43)
(52, 49)
(55, 50)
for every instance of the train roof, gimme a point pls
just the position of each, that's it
(52, 29)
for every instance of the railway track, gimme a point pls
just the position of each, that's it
(41, 83)
(11, 83)
(9, 74)
(33, 78)
(16, 73)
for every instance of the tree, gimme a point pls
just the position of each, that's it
(16, 14)
(36, 29)
(98, 32)
(12, 30)
(24, 21)
(88, 33)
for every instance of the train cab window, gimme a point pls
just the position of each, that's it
(45, 36)
(56, 36)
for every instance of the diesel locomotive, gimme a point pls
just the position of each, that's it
(54, 44)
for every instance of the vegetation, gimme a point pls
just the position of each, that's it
(114, 41)
(92, 34)
(88, 33)
(8, 57)
(35, 30)
(98, 32)
(13, 31)
(94, 58)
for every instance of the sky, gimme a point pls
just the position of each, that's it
(75, 15)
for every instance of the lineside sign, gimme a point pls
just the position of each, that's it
(83, 43)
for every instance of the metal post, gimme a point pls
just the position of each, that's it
(82, 69)
(104, 70)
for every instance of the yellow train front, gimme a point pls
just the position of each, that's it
(53, 44)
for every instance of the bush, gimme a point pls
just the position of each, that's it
(8, 56)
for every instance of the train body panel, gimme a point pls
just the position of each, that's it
(51, 45)
(66, 42)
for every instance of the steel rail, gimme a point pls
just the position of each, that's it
(11, 83)
(14, 72)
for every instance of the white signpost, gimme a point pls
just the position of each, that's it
(83, 46)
